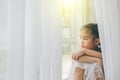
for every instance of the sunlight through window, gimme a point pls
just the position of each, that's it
(68, 3)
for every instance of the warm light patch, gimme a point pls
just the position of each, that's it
(68, 3)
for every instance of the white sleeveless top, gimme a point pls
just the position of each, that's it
(92, 71)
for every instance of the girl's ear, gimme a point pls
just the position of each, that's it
(97, 41)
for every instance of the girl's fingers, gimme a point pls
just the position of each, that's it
(73, 56)
(76, 56)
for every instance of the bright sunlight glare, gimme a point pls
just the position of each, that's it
(68, 3)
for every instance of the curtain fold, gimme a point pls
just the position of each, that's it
(51, 40)
(3, 38)
(31, 51)
(16, 25)
(108, 18)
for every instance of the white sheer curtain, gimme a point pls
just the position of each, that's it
(34, 40)
(108, 18)
(51, 40)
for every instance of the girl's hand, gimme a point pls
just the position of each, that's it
(77, 54)
(99, 62)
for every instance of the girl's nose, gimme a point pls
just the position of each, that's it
(81, 41)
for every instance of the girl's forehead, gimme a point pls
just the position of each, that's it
(85, 31)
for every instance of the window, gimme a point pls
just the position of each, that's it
(75, 14)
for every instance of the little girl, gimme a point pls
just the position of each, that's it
(87, 61)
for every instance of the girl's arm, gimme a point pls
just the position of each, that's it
(89, 59)
(92, 53)
(85, 51)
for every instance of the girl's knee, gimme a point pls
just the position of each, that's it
(98, 79)
(79, 70)
(79, 73)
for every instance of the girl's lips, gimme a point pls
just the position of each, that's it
(82, 46)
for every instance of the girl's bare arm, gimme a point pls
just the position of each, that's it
(89, 59)
(92, 53)
(88, 52)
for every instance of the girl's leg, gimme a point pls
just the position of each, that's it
(79, 74)
(97, 76)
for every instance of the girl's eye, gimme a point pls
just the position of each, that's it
(85, 39)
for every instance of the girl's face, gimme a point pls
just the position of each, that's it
(87, 40)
